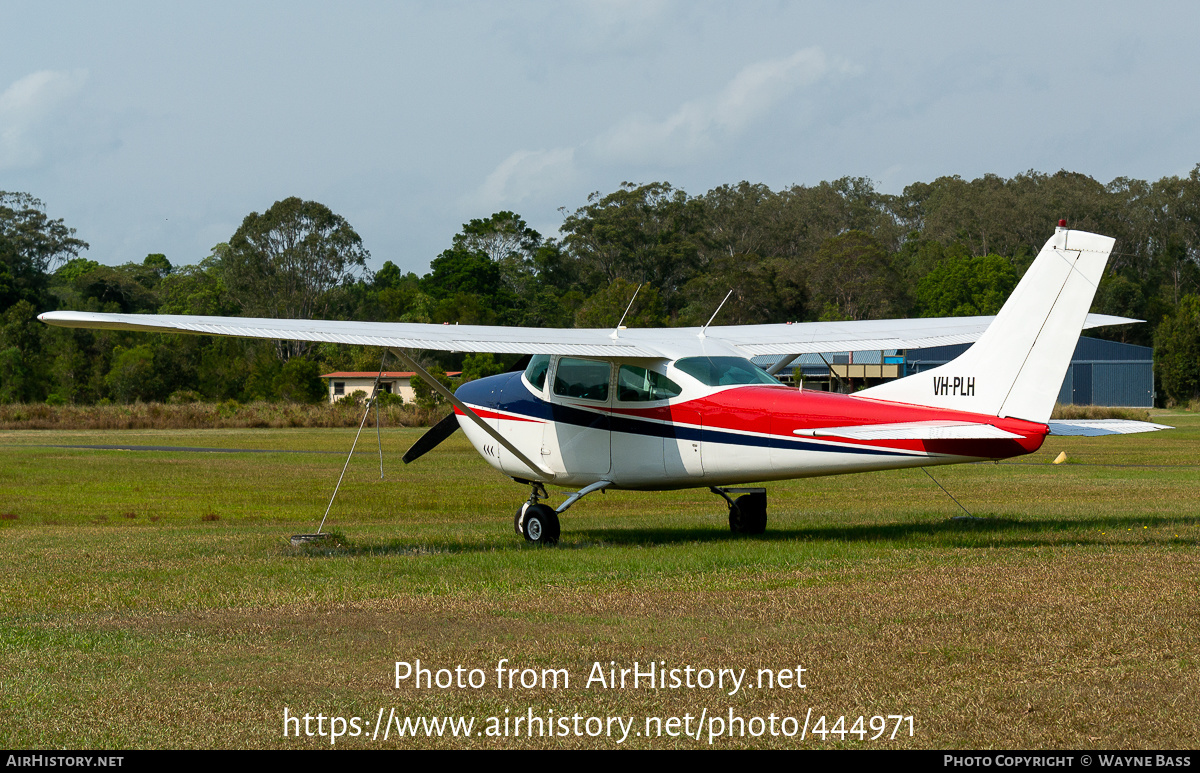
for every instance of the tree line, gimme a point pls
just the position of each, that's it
(835, 250)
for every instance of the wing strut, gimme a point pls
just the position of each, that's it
(441, 389)
(783, 363)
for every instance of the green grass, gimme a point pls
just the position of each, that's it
(151, 599)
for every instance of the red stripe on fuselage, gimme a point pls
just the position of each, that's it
(484, 413)
(779, 411)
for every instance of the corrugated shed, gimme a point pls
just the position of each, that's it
(1123, 383)
(1097, 349)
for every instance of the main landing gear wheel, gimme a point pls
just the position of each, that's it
(748, 514)
(540, 525)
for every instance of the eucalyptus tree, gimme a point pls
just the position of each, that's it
(31, 243)
(284, 263)
(640, 233)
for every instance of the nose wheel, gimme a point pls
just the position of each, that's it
(537, 522)
(540, 525)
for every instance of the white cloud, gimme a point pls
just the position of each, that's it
(694, 129)
(27, 108)
(757, 88)
(697, 126)
(526, 174)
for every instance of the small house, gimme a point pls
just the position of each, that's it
(347, 382)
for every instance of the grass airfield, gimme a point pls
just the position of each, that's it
(151, 599)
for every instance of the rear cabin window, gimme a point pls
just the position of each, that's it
(637, 385)
(535, 371)
(585, 379)
(724, 371)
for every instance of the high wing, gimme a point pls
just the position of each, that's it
(672, 343)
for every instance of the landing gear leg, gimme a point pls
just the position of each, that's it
(538, 522)
(748, 513)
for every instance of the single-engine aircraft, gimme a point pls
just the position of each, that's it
(657, 409)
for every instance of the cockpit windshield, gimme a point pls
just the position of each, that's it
(724, 371)
(536, 370)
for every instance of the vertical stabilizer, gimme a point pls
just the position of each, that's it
(1017, 366)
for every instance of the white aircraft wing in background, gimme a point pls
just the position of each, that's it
(670, 343)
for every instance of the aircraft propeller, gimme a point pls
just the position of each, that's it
(430, 440)
(446, 427)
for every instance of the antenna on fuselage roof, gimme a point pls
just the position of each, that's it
(715, 313)
(621, 322)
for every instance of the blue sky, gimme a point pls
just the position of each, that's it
(153, 127)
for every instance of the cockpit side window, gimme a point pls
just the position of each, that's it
(724, 371)
(586, 379)
(535, 372)
(636, 384)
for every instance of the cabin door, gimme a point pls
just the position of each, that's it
(577, 440)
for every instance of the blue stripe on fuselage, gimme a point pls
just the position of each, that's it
(507, 392)
(709, 435)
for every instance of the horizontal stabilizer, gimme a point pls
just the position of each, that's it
(1097, 427)
(913, 430)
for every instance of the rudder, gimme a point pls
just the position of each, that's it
(1018, 364)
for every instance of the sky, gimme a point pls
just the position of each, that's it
(156, 127)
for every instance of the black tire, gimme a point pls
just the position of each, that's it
(748, 514)
(541, 525)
